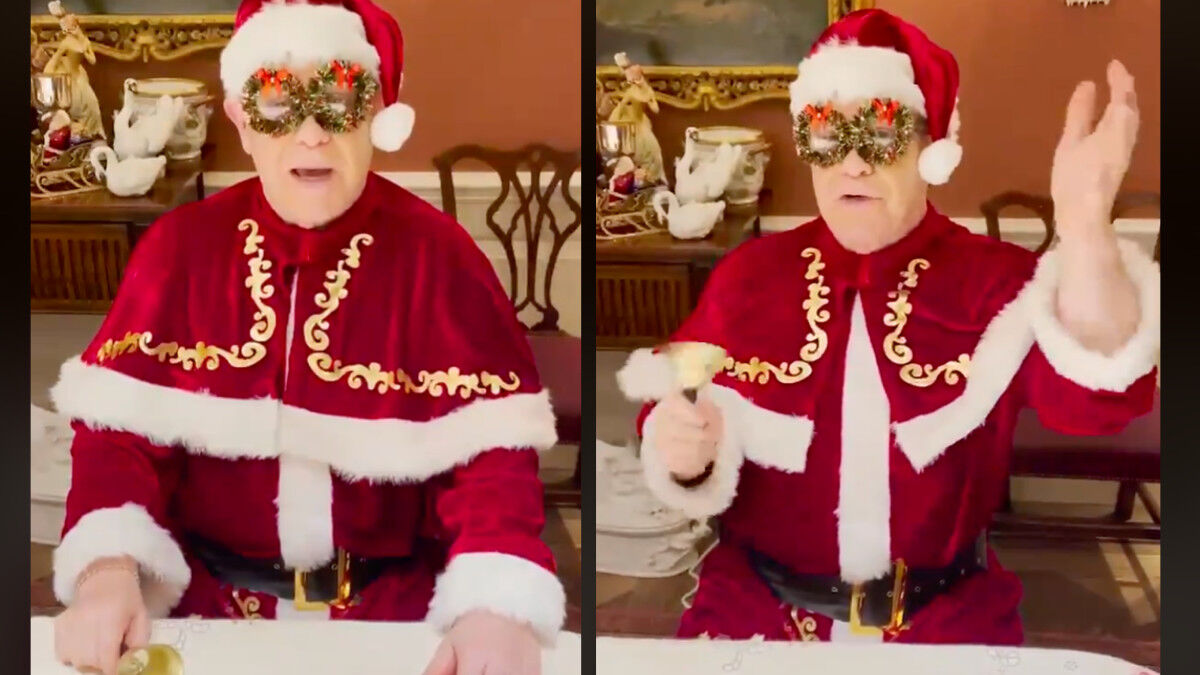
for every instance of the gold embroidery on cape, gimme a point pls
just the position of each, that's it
(249, 607)
(789, 372)
(895, 345)
(450, 382)
(204, 355)
(807, 627)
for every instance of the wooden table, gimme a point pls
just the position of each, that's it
(79, 244)
(647, 285)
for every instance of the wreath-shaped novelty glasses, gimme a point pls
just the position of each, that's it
(880, 131)
(339, 97)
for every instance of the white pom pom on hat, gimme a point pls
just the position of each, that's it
(940, 158)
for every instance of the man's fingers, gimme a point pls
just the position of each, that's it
(442, 662)
(685, 436)
(684, 413)
(138, 634)
(1080, 109)
(108, 649)
(1120, 83)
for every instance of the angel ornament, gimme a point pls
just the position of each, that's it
(67, 60)
(631, 106)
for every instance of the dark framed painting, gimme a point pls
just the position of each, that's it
(139, 7)
(708, 32)
(711, 53)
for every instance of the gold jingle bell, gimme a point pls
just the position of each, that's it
(151, 660)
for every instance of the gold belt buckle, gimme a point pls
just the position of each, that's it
(858, 596)
(343, 600)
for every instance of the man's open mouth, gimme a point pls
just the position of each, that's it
(312, 174)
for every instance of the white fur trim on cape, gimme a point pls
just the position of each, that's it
(126, 530)
(647, 376)
(767, 438)
(1079, 364)
(503, 584)
(712, 496)
(1032, 316)
(103, 398)
(395, 450)
(305, 512)
(997, 358)
(295, 35)
(392, 126)
(844, 72)
(864, 493)
(385, 450)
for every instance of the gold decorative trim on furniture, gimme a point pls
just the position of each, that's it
(718, 86)
(127, 38)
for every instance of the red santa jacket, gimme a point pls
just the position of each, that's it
(283, 391)
(869, 400)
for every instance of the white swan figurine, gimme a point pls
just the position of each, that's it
(689, 184)
(707, 180)
(148, 135)
(687, 221)
(128, 178)
(718, 169)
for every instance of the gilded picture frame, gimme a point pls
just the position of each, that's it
(129, 37)
(721, 87)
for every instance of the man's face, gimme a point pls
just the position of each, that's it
(310, 176)
(869, 207)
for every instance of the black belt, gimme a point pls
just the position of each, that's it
(872, 605)
(273, 576)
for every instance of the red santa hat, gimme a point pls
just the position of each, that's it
(873, 54)
(307, 32)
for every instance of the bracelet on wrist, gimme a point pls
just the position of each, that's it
(94, 568)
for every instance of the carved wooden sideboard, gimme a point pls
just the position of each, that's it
(647, 285)
(79, 245)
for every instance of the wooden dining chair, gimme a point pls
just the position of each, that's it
(1130, 458)
(533, 178)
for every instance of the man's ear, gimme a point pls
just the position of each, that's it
(237, 115)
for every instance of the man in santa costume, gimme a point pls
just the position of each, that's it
(855, 438)
(311, 398)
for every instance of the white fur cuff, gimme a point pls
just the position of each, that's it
(710, 497)
(1075, 362)
(647, 376)
(504, 584)
(127, 530)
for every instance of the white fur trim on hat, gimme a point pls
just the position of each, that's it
(295, 35)
(844, 72)
(941, 158)
(392, 126)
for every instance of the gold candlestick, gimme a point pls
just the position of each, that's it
(151, 660)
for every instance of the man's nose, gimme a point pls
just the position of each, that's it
(854, 165)
(310, 133)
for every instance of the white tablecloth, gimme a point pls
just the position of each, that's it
(625, 656)
(295, 648)
(325, 648)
